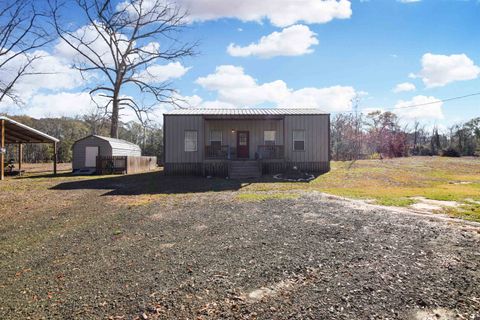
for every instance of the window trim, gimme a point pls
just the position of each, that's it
(210, 136)
(293, 141)
(185, 141)
(274, 137)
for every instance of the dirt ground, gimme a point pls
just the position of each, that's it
(152, 247)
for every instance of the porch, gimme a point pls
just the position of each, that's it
(244, 139)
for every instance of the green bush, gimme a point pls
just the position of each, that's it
(450, 152)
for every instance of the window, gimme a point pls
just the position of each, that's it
(298, 140)
(190, 141)
(215, 138)
(269, 138)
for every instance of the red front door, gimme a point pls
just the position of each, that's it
(242, 144)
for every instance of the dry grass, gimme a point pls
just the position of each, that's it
(394, 182)
(391, 182)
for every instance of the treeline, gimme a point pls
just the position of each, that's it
(381, 134)
(353, 136)
(69, 130)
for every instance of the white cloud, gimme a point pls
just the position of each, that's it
(336, 98)
(439, 70)
(292, 41)
(196, 101)
(160, 73)
(239, 89)
(408, 1)
(412, 75)
(216, 104)
(280, 13)
(430, 108)
(234, 86)
(62, 104)
(46, 73)
(404, 87)
(97, 49)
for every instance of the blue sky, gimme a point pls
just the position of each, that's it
(363, 48)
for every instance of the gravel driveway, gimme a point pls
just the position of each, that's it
(212, 256)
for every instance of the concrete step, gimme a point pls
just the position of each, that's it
(244, 176)
(244, 165)
(244, 169)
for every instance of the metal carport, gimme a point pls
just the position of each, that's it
(13, 132)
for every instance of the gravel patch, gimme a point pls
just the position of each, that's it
(214, 257)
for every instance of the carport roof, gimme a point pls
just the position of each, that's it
(16, 132)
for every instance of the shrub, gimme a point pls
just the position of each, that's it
(450, 152)
(375, 156)
(423, 151)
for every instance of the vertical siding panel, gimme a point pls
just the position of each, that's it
(176, 127)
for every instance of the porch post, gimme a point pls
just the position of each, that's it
(54, 158)
(2, 147)
(284, 142)
(203, 144)
(20, 155)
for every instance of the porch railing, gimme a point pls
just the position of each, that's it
(229, 152)
(270, 151)
(219, 152)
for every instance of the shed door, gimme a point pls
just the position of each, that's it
(91, 154)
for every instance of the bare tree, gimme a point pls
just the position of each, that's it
(21, 33)
(122, 42)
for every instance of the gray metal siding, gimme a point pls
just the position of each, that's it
(78, 161)
(316, 138)
(175, 127)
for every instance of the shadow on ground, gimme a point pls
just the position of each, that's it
(158, 183)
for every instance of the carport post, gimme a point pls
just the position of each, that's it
(55, 158)
(2, 151)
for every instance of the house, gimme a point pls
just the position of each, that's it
(86, 150)
(242, 143)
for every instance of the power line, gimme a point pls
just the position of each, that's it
(424, 104)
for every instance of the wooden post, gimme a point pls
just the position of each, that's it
(55, 158)
(2, 146)
(20, 155)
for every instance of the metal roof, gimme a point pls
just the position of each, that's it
(16, 132)
(115, 143)
(245, 112)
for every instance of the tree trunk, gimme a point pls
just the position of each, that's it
(115, 109)
(114, 120)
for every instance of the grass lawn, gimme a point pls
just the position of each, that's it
(393, 182)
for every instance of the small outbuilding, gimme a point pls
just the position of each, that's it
(86, 150)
